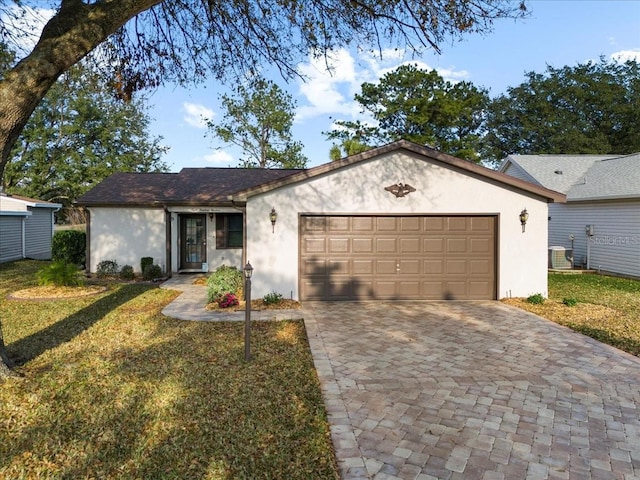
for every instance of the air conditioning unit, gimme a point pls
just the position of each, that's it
(560, 258)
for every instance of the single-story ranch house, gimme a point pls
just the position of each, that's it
(599, 225)
(401, 221)
(26, 227)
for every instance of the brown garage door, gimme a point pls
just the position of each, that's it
(399, 257)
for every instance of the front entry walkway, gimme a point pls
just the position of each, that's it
(472, 390)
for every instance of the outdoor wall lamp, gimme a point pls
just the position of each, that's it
(211, 216)
(524, 216)
(273, 216)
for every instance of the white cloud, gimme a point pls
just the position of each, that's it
(197, 115)
(624, 55)
(331, 83)
(219, 157)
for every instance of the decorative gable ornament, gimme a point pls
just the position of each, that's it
(400, 189)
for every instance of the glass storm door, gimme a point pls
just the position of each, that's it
(193, 242)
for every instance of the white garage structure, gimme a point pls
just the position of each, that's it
(398, 222)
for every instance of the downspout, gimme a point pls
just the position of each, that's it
(167, 221)
(23, 237)
(87, 253)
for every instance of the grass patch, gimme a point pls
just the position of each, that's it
(114, 389)
(602, 307)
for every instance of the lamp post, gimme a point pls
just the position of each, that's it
(248, 271)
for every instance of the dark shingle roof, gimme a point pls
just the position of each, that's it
(201, 186)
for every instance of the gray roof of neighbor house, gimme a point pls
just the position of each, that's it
(582, 177)
(31, 202)
(191, 186)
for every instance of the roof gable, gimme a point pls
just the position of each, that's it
(427, 153)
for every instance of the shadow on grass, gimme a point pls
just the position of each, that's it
(180, 404)
(28, 348)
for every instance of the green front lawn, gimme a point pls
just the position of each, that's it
(608, 308)
(114, 389)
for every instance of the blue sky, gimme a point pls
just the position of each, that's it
(558, 33)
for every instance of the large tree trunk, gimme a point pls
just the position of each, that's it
(69, 36)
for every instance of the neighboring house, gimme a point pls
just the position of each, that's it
(26, 227)
(603, 191)
(397, 222)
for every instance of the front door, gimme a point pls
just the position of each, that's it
(193, 242)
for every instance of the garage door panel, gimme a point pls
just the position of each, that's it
(456, 267)
(480, 267)
(338, 224)
(432, 290)
(409, 245)
(339, 245)
(479, 290)
(410, 224)
(313, 290)
(362, 245)
(480, 245)
(409, 289)
(314, 224)
(339, 267)
(409, 267)
(386, 245)
(383, 289)
(386, 267)
(386, 224)
(397, 257)
(434, 224)
(482, 224)
(314, 267)
(363, 224)
(433, 267)
(433, 245)
(315, 245)
(362, 267)
(457, 224)
(455, 290)
(457, 245)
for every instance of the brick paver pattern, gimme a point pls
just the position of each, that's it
(472, 390)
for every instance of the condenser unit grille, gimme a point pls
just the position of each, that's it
(560, 258)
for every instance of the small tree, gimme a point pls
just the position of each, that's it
(258, 119)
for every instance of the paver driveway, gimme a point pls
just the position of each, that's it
(466, 390)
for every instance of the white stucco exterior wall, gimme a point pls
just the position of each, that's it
(359, 189)
(126, 235)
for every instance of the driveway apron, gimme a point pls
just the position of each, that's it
(472, 390)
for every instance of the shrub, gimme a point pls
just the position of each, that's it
(151, 272)
(536, 299)
(570, 301)
(107, 268)
(224, 280)
(126, 272)
(145, 262)
(69, 246)
(272, 298)
(60, 274)
(228, 300)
